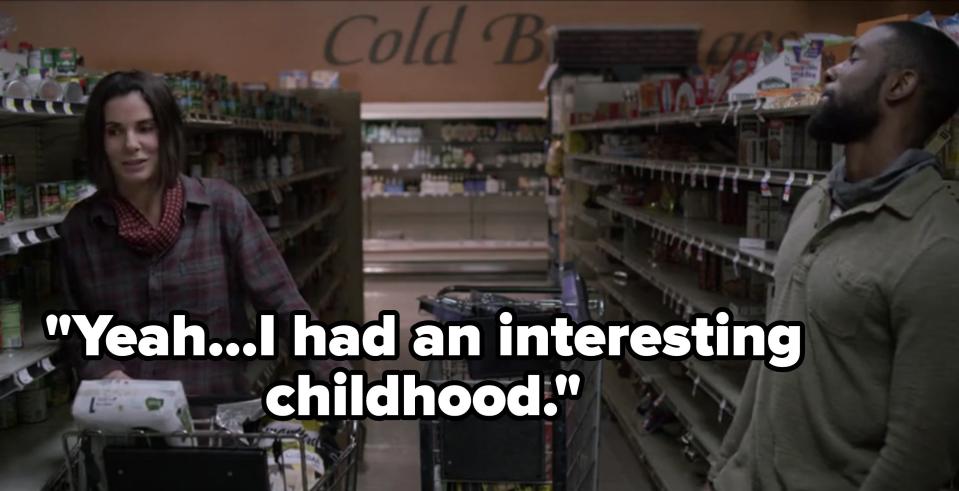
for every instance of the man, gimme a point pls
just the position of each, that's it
(870, 264)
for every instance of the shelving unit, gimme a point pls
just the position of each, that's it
(661, 454)
(701, 394)
(43, 136)
(416, 219)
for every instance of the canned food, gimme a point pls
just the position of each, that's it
(8, 412)
(11, 324)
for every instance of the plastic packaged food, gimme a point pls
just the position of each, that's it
(286, 471)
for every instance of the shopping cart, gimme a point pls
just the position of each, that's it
(506, 453)
(210, 457)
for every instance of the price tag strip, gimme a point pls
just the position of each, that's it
(789, 186)
(729, 109)
(52, 232)
(758, 110)
(739, 106)
(32, 237)
(722, 180)
(809, 180)
(736, 265)
(736, 181)
(764, 185)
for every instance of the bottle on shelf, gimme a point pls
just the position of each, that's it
(273, 164)
(367, 158)
(286, 161)
(492, 184)
(456, 185)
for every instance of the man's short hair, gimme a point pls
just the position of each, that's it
(935, 57)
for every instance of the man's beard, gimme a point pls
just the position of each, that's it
(848, 120)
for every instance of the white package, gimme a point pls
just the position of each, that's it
(120, 405)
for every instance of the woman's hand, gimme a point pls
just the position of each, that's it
(116, 375)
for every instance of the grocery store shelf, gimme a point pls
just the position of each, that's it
(17, 234)
(586, 252)
(371, 111)
(20, 366)
(302, 270)
(447, 246)
(707, 235)
(285, 234)
(723, 113)
(680, 171)
(259, 186)
(572, 176)
(639, 307)
(596, 218)
(18, 111)
(214, 122)
(723, 385)
(455, 256)
(507, 194)
(680, 287)
(32, 454)
(662, 455)
(450, 167)
(698, 414)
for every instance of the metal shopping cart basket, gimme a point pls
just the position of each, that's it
(507, 454)
(211, 457)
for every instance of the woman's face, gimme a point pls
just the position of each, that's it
(131, 140)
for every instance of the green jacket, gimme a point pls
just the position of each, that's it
(875, 403)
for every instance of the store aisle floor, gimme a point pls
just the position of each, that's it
(391, 458)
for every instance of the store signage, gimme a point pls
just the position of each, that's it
(523, 44)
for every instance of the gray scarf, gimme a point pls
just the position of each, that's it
(849, 194)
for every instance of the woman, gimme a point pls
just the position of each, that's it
(152, 240)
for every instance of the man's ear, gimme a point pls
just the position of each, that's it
(904, 84)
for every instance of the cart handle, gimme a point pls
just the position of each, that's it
(498, 289)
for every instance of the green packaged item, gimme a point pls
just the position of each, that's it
(27, 201)
(67, 60)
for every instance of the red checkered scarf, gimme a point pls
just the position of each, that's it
(137, 231)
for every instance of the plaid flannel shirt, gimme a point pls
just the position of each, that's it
(222, 256)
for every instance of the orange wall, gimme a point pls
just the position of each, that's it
(254, 41)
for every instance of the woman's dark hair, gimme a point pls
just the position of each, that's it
(166, 115)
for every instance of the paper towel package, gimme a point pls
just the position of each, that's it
(120, 405)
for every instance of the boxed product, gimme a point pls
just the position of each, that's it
(701, 89)
(649, 97)
(757, 157)
(685, 96)
(120, 405)
(740, 66)
(668, 91)
(781, 138)
(749, 132)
